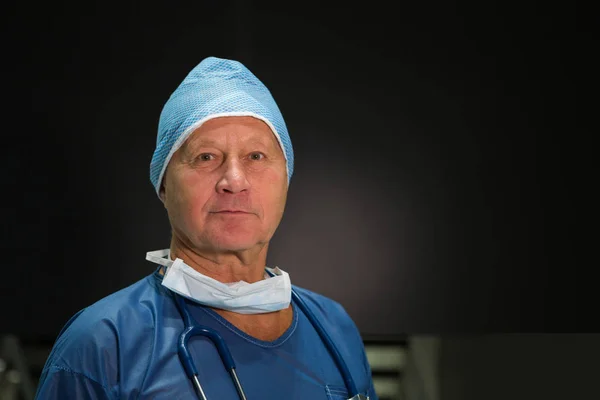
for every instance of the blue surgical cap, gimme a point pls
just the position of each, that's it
(215, 88)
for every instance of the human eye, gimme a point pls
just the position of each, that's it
(256, 156)
(206, 157)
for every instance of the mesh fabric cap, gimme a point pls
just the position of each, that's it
(215, 88)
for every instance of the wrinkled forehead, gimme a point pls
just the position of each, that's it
(246, 129)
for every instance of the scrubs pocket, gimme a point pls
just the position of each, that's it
(336, 392)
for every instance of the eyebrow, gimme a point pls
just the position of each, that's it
(197, 142)
(207, 142)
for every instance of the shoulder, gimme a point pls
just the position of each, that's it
(116, 309)
(119, 307)
(327, 309)
(92, 340)
(317, 299)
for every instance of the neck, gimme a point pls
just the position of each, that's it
(268, 326)
(226, 267)
(223, 266)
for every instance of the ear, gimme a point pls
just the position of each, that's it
(162, 193)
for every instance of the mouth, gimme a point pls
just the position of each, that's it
(232, 212)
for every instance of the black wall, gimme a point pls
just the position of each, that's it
(439, 155)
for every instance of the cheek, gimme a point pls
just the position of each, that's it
(273, 194)
(192, 198)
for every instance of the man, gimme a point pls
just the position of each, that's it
(222, 167)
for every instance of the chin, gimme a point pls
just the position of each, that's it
(233, 237)
(234, 246)
(233, 242)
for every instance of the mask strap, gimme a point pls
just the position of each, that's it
(272, 272)
(158, 257)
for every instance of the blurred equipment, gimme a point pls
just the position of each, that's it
(421, 377)
(387, 357)
(15, 378)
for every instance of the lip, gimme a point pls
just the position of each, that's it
(231, 212)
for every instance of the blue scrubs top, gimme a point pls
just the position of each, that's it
(125, 347)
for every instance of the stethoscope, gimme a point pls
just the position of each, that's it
(192, 329)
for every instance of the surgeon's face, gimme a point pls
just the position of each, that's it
(225, 188)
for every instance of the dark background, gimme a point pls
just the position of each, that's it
(440, 168)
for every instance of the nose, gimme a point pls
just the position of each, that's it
(234, 178)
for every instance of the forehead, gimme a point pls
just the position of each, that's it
(221, 129)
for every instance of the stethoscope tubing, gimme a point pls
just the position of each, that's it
(192, 330)
(337, 357)
(189, 366)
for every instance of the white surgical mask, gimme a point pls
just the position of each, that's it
(268, 295)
